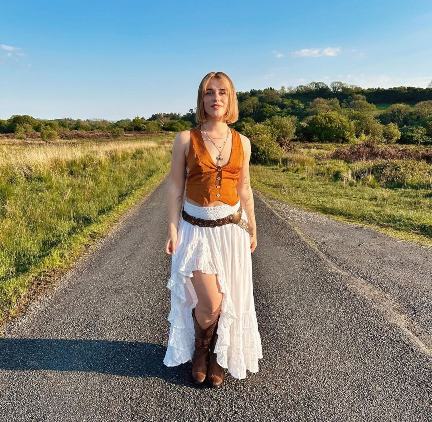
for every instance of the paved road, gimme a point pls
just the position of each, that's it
(333, 350)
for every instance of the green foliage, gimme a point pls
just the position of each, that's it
(359, 103)
(20, 120)
(265, 149)
(329, 126)
(152, 126)
(403, 174)
(138, 123)
(396, 113)
(3, 126)
(322, 105)
(366, 127)
(414, 135)
(23, 130)
(48, 203)
(391, 133)
(117, 131)
(282, 129)
(177, 125)
(48, 134)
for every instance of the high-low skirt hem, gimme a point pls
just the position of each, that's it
(224, 251)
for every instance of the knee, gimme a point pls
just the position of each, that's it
(211, 310)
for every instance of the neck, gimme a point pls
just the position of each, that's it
(214, 126)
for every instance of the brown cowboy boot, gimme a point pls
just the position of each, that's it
(215, 372)
(201, 353)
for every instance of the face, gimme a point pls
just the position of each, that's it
(215, 99)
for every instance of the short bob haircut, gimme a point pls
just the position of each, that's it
(231, 115)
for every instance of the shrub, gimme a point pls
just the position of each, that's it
(265, 149)
(177, 125)
(403, 173)
(330, 126)
(283, 129)
(48, 134)
(391, 133)
(116, 131)
(413, 135)
(152, 126)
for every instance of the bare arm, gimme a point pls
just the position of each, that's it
(244, 188)
(176, 180)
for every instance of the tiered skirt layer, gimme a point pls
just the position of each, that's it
(224, 251)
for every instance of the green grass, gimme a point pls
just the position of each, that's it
(52, 208)
(404, 213)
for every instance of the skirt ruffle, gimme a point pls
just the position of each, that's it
(225, 251)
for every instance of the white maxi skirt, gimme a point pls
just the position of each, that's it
(224, 251)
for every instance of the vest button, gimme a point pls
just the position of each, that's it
(218, 194)
(218, 187)
(218, 178)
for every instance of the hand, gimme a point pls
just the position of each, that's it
(171, 243)
(253, 242)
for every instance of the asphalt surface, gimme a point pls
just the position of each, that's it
(339, 342)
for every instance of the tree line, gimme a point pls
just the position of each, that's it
(314, 112)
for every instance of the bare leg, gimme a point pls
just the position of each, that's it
(209, 298)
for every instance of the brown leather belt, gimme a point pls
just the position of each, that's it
(234, 218)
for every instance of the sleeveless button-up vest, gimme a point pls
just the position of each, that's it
(206, 182)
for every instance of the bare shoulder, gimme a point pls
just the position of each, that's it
(245, 143)
(183, 137)
(181, 141)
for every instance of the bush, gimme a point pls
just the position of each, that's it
(403, 173)
(152, 126)
(48, 134)
(366, 126)
(391, 133)
(177, 125)
(413, 135)
(265, 149)
(116, 132)
(330, 126)
(396, 113)
(283, 129)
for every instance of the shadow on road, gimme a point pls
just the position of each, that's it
(132, 359)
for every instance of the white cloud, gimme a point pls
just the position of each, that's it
(278, 54)
(10, 50)
(317, 52)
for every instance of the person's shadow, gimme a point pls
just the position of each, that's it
(133, 359)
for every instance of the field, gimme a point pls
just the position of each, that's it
(57, 198)
(391, 194)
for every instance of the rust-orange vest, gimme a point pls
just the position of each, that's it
(207, 182)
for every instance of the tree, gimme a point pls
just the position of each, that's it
(358, 102)
(17, 120)
(396, 113)
(414, 135)
(282, 129)
(48, 134)
(138, 123)
(321, 105)
(264, 148)
(391, 133)
(329, 126)
(366, 126)
(248, 107)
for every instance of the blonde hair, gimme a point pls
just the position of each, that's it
(231, 114)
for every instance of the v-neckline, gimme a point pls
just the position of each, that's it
(208, 153)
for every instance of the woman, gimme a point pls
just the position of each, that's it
(211, 235)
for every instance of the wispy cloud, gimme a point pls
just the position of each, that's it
(317, 52)
(278, 54)
(10, 50)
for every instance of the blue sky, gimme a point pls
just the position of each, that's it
(119, 59)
